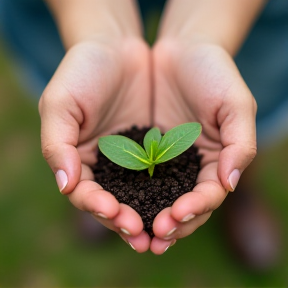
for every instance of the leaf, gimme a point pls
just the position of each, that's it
(124, 152)
(151, 142)
(177, 140)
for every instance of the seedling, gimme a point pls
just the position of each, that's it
(129, 154)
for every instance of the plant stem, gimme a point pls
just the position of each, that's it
(151, 170)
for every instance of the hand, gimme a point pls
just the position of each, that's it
(200, 82)
(101, 87)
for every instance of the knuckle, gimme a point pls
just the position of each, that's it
(251, 153)
(48, 152)
(40, 105)
(86, 202)
(43, 100)
(255, 105)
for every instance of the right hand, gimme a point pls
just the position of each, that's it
(101, 87)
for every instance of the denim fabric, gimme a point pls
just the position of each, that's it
(263, 63)
(263, 60)
(32, 37)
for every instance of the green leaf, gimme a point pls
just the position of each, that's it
(177, 140)
(124, 152)
(151, 142)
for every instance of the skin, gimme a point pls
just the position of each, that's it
(196, 79)
(104, 84)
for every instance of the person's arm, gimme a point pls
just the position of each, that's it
(196, 79)
(82, 20)
(85, 21)
(104, 72)
(222, 22)
(216, 29)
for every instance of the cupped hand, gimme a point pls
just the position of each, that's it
(200, 82)
(101, 87)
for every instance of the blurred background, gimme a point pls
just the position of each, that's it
(41, 244)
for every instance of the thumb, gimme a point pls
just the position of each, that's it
(60, 122)
(238, 137)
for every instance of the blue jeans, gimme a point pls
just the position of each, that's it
(263, 63)
(28, 28)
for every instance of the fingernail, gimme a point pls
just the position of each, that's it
(188, 217)
(101, 215)
(171, 232)
(131, 245)
(172, 243)
(125, 231)
(234, 178)
(123, 238)
(61, 179)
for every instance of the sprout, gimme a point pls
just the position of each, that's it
(129, 154)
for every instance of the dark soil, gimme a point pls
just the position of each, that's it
(148, 196)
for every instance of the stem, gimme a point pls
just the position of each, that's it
(151, 170)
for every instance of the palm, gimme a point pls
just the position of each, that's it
(193, 85)
(187, 91)
(113, 91)
(99, 88)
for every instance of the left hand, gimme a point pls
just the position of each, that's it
(201, 83)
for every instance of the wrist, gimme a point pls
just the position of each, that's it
(224, 23)
(85, 20)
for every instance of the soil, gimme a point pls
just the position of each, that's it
(148, 196)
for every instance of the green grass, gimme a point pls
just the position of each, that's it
(39, 246)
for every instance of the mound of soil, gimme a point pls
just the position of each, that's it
(148, 196)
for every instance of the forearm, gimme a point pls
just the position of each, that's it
(223, 22)
(80, 20)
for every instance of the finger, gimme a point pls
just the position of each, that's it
(192, 209)
(60, 120)
(238, 135)
(187, 228)
(90, 196)
(101, 216)
(206, 196)
(128, 222)
(159, 246)
(139, 243)
(167, 229)
(164, 224)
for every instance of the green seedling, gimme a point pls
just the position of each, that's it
(158, 149)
